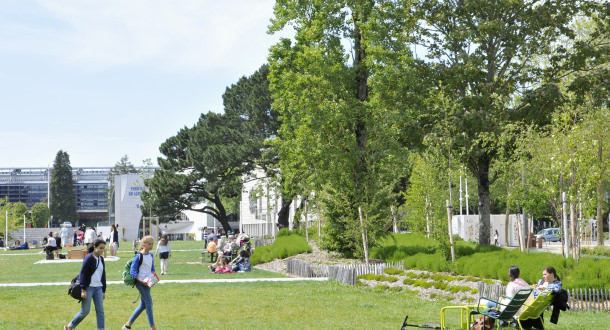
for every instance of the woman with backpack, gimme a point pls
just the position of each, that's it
(92, 280)
(142, 275)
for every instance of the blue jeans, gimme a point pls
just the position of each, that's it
(146, 303)
(239, 267)
(97, 294)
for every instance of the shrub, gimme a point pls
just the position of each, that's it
(474, 291)
(396, 289)
(408, 281)
(383, 278)
(599, 250)
(433, 295)
(368, 277)
(288, 244)
(381, 287)
(411, 275)
(392, 271)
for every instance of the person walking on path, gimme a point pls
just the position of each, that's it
(92, 280)
(141, 276)
(164, 250)
(496, 238)
(114, 240)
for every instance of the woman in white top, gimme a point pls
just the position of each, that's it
(114, 240)
(141, 275)
(164, 250)
(92, 280)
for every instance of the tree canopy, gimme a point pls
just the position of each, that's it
(63, 200)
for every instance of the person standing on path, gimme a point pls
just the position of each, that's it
(145, 271)
(64, 232)
(164, 250)
(92, 280)
(496, 238)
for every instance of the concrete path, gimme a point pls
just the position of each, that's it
(223, 280)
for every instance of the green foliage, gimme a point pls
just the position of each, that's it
(283, 247)
(63, 202)
(408, 281)
(598, 250)
(40, 214)
(381, 287)
(16, 211)
(393, 271)
(474, 291)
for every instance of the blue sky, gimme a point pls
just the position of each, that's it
(103, 79)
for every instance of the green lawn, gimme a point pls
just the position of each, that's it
(258, 305)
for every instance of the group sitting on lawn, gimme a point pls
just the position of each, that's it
(240, 264)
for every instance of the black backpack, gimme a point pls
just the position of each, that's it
(75, 290)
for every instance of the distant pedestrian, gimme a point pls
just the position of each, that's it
(165, 251)
(496, 237)
(92, 280)
(114, 240)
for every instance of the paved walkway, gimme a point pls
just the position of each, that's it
(227, 280)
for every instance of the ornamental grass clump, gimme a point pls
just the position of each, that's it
(287, 243)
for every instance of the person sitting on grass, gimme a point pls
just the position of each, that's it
(242, 264)
(224, 268)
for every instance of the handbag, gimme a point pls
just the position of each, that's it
(75, 290)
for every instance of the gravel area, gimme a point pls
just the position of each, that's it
(329, 258)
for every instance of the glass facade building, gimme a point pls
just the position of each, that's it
(31, 186)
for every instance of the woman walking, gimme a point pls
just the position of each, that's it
(142, 276)
(164, 250)
(114, 240)
(92, 280)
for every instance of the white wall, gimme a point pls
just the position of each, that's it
(467, 227)
(127, 192)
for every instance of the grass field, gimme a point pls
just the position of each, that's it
(258, 305)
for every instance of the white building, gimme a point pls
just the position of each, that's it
(260, 204)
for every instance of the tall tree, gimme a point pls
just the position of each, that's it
(337, 135)
(63, 200)
(486, 56)
(40, 214)
(202, 163)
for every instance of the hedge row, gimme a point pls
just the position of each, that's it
(287, 243)
(421, 253)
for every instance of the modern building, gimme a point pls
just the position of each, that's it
(31, 186)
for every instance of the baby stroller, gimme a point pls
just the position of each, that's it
(80, 237)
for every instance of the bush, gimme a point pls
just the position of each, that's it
(289, 243)
(381, 287)
(408, 281)
(392, 271)
(599, 250)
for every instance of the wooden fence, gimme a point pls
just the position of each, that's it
(345, 274)
(585, 300)
(588, 300)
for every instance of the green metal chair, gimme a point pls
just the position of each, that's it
(536, 308)
(509, 309)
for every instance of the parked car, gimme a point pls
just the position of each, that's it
(550, 234)
(67, 224)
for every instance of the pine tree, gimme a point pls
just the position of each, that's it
(63, 200)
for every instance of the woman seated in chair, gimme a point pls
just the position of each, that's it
(549, 281)
(515, 284)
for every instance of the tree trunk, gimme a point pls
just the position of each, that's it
(574, 232)
(506, 224)
(600, 215)
(284, 213)
(360, 126)
(482, 173)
